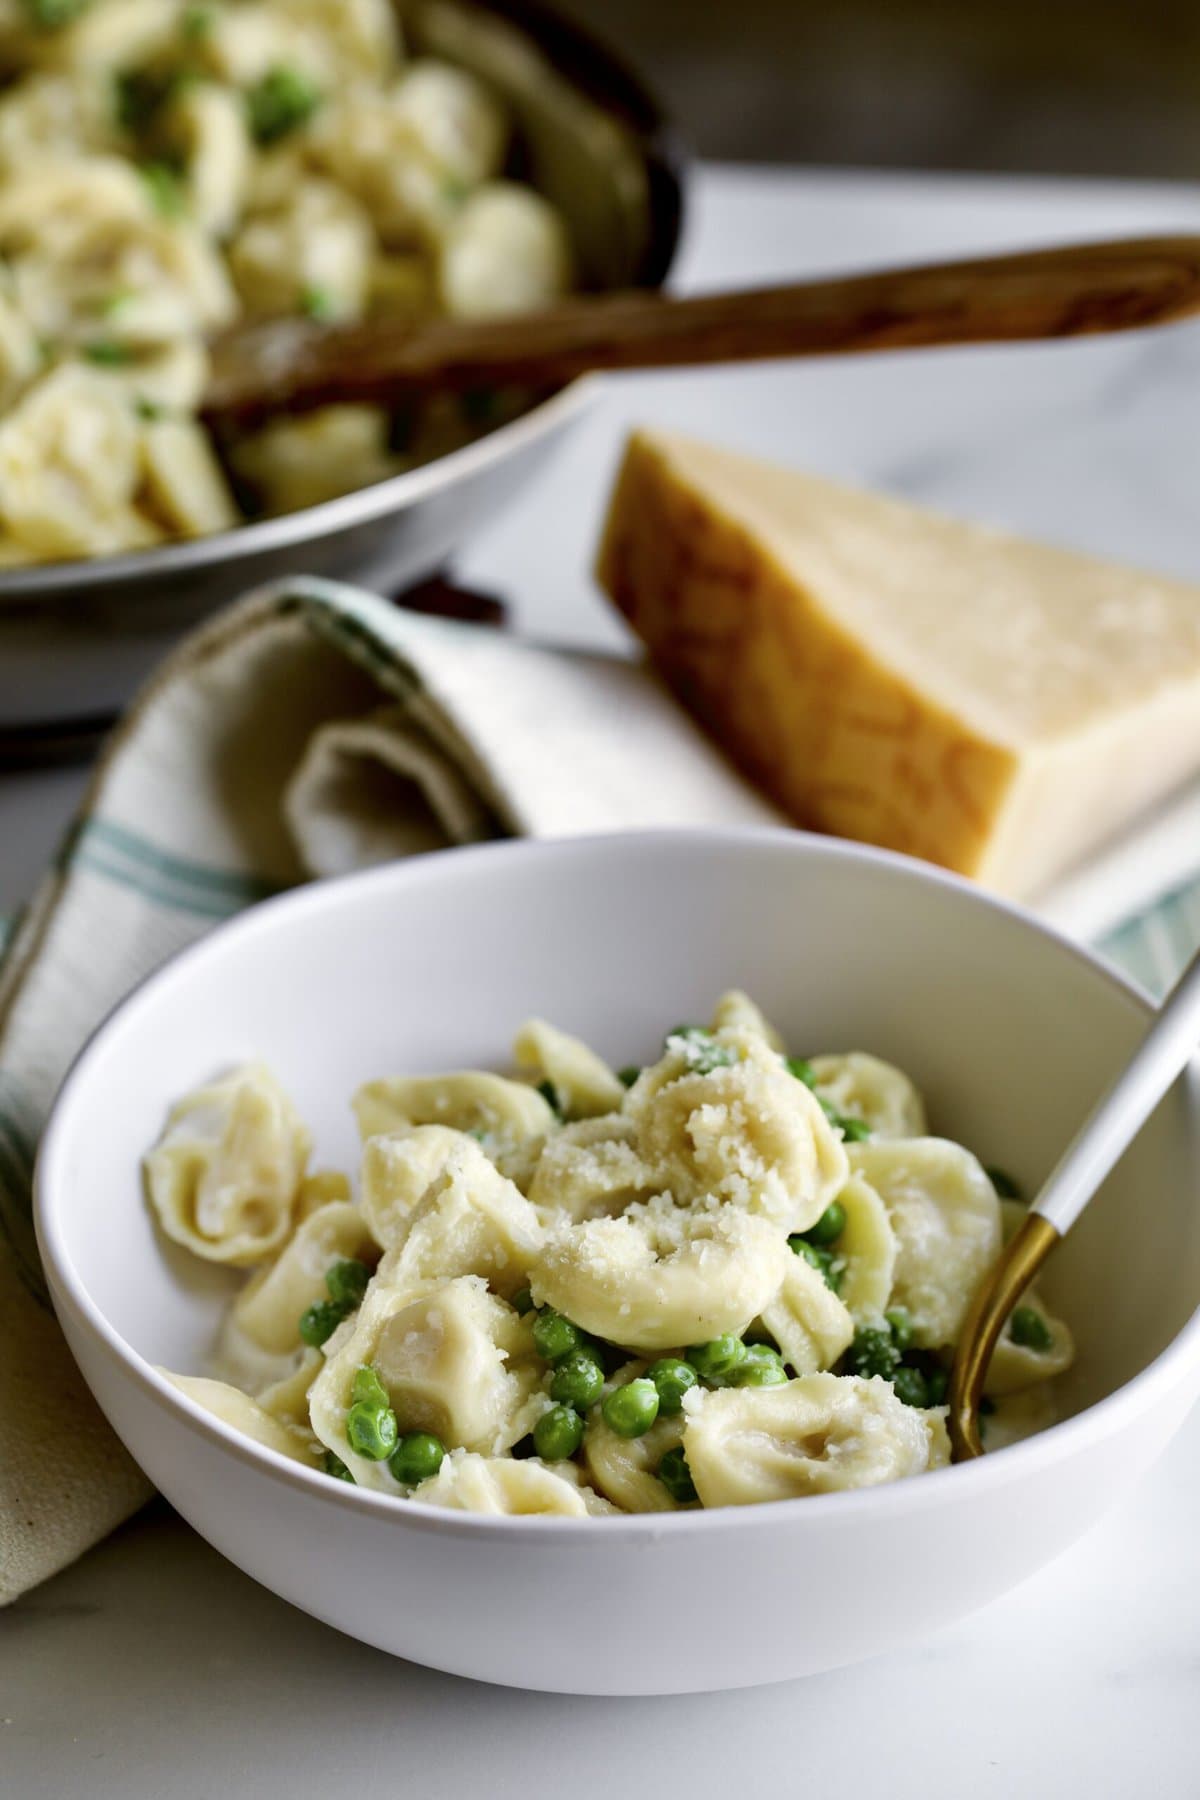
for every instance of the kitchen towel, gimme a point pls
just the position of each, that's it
(310, 730)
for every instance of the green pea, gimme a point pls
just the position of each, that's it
(53, 15)
(550, 1095)
(631, 1410)
(319, 1322)
(368, 1388)
(333, 1465)
(760, 1367)
(417, 1457)
(281, 102)
(628, 1075)
(347, 1282)
(855, 1131)
(672, 1378)
(872, 1353)
(317, 303)
(802, 1070)
(829, 1227)
(900, 1320)
(164, 187)
(578, 1380)
(108, 355)
(558, 1434)
(371, 1430)
(197, 23)
(555, 1337)
(911, 1387)
(937, 1381)
(717, 1358)
(676, 1477)
(1004, 1184)
(832, 1267)
(523, 1301)
(1028, 1328)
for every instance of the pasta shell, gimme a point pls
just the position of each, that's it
(224, 1176)
(746, 1133)
(817, 1435)
(661, 1276)
(946, 1217)
(876, 1092)
(470, 1221)
(454, 1360)
(498, 1484)
(583, 1081)
(234, 1408)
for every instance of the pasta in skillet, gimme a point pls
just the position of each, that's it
(169, 167)
(577, 1292)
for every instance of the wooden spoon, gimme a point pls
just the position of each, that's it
(1163, 1054)
(292, 365)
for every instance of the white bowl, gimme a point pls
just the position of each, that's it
(1010, 1031)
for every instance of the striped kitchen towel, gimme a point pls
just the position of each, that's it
(310, 730)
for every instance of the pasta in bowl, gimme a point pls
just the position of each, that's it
(421, 1239)
(168, 170)
(761, 1306)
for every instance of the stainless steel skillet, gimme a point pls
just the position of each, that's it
(76, 638)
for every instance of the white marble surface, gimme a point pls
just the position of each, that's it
(154, 1669)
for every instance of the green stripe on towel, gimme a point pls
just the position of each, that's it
(159, 876)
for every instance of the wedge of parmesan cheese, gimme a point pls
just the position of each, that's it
(995, 706)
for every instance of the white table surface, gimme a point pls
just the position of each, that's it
(154, 1669)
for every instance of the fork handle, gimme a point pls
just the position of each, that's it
(1161, 1057)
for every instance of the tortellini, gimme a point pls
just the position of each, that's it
(398, 1169)
(455, 1361)
(167, 168)
(738, 1012)
(591, 1169)
(722, 1116)
(471, 1221)
(235, 1408)
(816, 1435)
(807, 1319)
(301, 462)
(1016, 1366)
(867, 1249)
(505, 250)
(268, 1309)
(872, 1091)
(70, 466)
(946, 1217)
(658, 1276)
(582, 1082)
(728, 1277)
(500, 1484)
(224, 1176)
(510, 1119)
(625, 1470)
(318, 239)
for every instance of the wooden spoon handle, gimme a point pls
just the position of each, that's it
(292, 365)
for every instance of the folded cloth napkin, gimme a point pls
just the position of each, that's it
(310, 730)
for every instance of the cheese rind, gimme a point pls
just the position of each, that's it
(995, 706)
